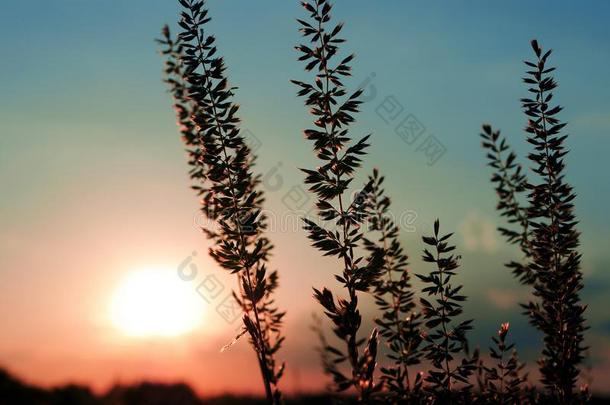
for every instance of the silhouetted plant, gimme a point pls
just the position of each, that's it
(340, 234)
(548, 235)
(539, 214)
(399, 323)
(503, 382)
(221, 166)
(511, 186)
(445, 341)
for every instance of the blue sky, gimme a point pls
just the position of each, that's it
(88, 141)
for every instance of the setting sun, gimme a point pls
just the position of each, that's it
(155, 302)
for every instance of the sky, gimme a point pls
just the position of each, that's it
(95, 187)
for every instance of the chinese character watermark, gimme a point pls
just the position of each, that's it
(211, 290)
(405, 124)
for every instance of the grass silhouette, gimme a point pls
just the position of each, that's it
(430, 359)
(546, 232)
(221, 170)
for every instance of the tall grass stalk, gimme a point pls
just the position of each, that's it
(221, 170)
(546, 232)
(399, 323)
(340, 233)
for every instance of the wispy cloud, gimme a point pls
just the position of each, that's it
(598, 122)
(478, 233)
(503, 299)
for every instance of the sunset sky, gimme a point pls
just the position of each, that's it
(95, 190)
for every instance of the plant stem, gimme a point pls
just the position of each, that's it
(351, 343)
(444, 323)
(259, 341)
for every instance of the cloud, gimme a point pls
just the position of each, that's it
(503, 299)
(478, 233)
(598, 122)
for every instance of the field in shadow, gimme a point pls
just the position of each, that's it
(14, 391)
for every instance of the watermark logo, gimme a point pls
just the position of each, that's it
(405, 124)
(229, 309)
(210, 289)
(296, 199)
(410, 129)
(432, 148)
(253, 142)
(389, 109)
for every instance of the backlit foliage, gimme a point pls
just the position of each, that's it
(340, 233)
(221, 170)
(428, 358)
(546, 232)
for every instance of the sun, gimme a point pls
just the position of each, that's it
(155, 302)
